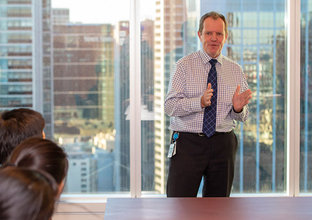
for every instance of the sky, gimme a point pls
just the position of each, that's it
(103, 11)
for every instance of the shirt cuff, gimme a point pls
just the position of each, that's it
(236, 111)
(238, 116)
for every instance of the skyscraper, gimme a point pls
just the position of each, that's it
(175, 36)
(168, 49)
(122, 153)
(25, 63)
(83, 79)
(83, 61)
(257, 42)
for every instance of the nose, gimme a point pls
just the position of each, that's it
(214, 36)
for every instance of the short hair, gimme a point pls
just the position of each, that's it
(37, 153)
(214, 15)
(17, 125)
(26, 194)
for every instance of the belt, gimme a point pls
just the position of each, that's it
(203, 135)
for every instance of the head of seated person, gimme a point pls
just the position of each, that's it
(26, 194)
(41, 154)
(17, 125)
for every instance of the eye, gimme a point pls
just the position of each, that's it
(220, 34)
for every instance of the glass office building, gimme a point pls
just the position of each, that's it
(84, 101)
(257, 41)
(305, 98)
(25, 57)
(77, 73)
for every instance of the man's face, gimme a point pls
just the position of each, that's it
(213, 36)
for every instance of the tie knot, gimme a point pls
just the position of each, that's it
(213, 62)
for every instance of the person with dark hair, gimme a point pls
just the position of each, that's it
(41, 154)
(26, 194)
(17, 125)
(207, 94)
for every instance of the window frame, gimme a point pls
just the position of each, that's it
(292, 20)
(293, 98)
(293, 12)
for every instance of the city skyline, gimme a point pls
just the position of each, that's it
(83, 92)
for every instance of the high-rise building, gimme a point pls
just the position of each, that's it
(83, 79)
(257, 41)
(105, 170)
(147, 103)
(305, 97)
(60, 16)
(122, 152)
(83, 61)
(25, 57)
(82, 173)
(175, 36)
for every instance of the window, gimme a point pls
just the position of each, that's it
(305, 98)
(82, 72)
(259, 47)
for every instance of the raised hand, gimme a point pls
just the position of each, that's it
(239, 100)
(205, 99)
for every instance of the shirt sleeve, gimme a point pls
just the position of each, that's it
(177, 104)
(243, 115)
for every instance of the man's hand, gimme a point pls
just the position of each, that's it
(239, 100)
(205, 99)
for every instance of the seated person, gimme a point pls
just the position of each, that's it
(17, 125)
(26, 194)
(41, 154)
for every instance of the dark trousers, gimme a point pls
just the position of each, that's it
(198, 156)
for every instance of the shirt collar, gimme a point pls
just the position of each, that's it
(206, 58)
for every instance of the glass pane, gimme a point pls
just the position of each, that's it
(21, 70)
(260, 48)
(257, 41)
(166, 36)
(305, 101)
(148, 152)
(91, 93)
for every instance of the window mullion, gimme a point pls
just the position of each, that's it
(135, 100)
(293, 98)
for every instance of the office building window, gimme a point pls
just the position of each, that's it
(74, 67)
(91, 93)
(257, 42)
(305, 98)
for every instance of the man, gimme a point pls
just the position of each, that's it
(207, 94)
(17, 125)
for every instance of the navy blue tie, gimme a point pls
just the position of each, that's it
(209, 123)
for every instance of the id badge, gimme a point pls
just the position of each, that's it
(171, 150)
(173, 146)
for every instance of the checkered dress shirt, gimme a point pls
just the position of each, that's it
(187, 85)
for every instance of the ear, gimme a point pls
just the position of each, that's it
(199, 34)
(60, 189)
